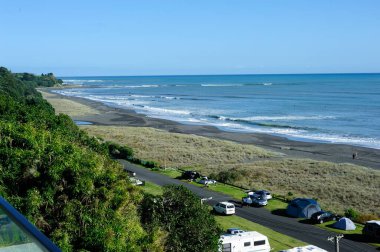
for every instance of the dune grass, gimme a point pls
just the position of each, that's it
(336, 186)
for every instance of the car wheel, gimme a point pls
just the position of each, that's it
(334, 218)
(320, 221)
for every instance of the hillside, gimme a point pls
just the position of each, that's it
(66, 183)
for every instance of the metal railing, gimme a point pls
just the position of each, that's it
(29, 230)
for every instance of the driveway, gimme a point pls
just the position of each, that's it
(285, 225)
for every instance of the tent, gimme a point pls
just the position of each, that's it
(344, 224)
(302, 208)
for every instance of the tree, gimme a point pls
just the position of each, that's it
(189, 224)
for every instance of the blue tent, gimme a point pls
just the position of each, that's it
(302, 208)
(344, 224)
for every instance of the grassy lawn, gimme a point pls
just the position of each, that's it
(357, 231)
(327, 226)
(276, 204)
(151, 188)
(234, 192)
(173, 173)
(277, 240)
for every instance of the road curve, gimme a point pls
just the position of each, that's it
(285, 225)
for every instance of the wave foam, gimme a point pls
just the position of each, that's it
(80, 82)
(285, 118)
(164, 111)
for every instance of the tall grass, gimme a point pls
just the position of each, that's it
(336, 186)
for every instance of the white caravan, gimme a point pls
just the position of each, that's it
(240, 241)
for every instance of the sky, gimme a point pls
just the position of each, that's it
(176, 37)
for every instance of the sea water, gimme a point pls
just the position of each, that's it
(335, 108)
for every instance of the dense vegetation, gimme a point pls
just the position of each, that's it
(44, 80)
(188, 228)
(65, 182)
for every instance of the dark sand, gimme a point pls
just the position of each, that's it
(338, 153)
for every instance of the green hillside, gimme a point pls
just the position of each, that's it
(66, 183)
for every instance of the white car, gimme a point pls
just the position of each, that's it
(224, 207)
(135, 181)
(263, 193)
(206, 181)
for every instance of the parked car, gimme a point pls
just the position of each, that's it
(135, 181)
(263, 193)
(323, 216)
(259, 201)
(206, 181)
(224, 207)
(255, 200)
(191, 175)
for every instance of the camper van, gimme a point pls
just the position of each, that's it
(241, 241)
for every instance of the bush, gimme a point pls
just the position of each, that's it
(229, 176)
(190, 228)
(151, 164)
(118, 151)
(351, 213)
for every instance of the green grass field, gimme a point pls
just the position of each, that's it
(152, 188)
(173, 173)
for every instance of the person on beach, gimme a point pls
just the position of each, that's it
(354, 155)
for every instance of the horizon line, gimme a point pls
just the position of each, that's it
(173, 75)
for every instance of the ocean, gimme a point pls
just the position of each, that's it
(331, 108)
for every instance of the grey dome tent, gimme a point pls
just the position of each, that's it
(302, 208)
(344, 224)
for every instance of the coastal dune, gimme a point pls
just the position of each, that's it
(322, 171)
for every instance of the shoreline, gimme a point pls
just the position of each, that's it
(337, 153)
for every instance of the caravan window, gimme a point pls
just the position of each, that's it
(258, 243)
(226, 247)
(247, 244)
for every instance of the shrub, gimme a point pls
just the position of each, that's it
(229, 176)
(190, 228)
(351, 213)
(118, 151)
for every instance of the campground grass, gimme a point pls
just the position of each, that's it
(152, 188)
(358, 231)
(173, 173)
(233, 191)
(277, 240)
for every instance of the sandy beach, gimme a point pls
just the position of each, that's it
(323, 171)
(99, 114)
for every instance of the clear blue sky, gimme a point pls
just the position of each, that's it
(153, 37)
